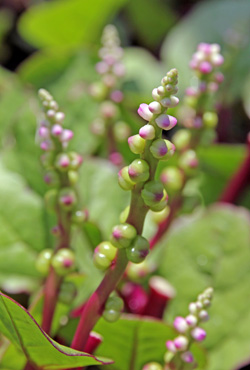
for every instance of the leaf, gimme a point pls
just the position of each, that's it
(211, 248)
(201, 25)
(137, 341)
(67, 23)
(22, 330)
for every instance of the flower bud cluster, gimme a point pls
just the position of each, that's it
(113, 308)
(61, 165)
(189, 329)
(63, 261)
(205, 62)
(111, 69)
(150, 145)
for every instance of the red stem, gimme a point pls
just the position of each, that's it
(239, 180)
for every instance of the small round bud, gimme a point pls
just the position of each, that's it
(62, 162)
(158, 207)
(136, 144)
(51, 178)
(43, 132)
(108, 110)
(205, 67)
(170, 102)
(155, 95)
(50, 113)
(124, 179)
(121, 131)
(138, 171)
(198, 334)
(188, 161)
(50, 199)
(67, 292)
(172, 179)
(152, 193)
(166, 122)
(80, 216)
(171, 346)
(75, 160)
(111, 315)
(210, 119)
(181, 139)
(44, 95)
(147, 132)
(63, 261)
(181, 343)
(155, 107)
(158, 148)
(191, 320)
(108, 249)
(101, 261)
(117, 96)
(114, 303)
(66, 135)
(180, 324)
(144, 112)
(159, 217)
(59, 117)
(192, 308)
(138, 250)
(67, 198)
(122, 235)
(203, 315)
(152, 366)
(43, 261)
(56, 130)
(187, 357)
(73, 177)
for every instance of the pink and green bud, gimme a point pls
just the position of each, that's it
(158, 148)
(51, 178)
(182, 139)
(124, 179)
(119, 69)
(138, 171)
(171, 150)
(158, 207)
(138, 250)
(217, 60)
(43, 261)
(116, 158)
(155, 95)
(181, 343)
(56, 130)
(117, 96)
(108, 110)
(192, 308)
(101, 261)
(210, 119)
(188, 161)
(75, 160)
(122, 235)
(187, 357)
(107, 249)
(102, 67)
(63, 261)
(203, 315)
(180, 324)
(170, 102)
(171, 346)
(136, 144)
(161, 91)
(80, 216)
(205, 67)
(43, 132)
(67, 198)
(152, 193)
(172, 178)
(66, 135)
(191, 320)
(62, 162)
(166, 122)
(144, 112)
(155, 107)
(152, 366)
(46, 145)
(198, 334)
(51, 114)
(147, 132)
(59, 117)
(73, 177)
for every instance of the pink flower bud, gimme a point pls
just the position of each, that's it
(51, 113)
(180, 324)
(204, 47)
(46, 145)
(192, 308)
(198, 334)
(203, 315)
(119, 69)
(115, 158)
(116, 96)
(171, 346)
(161, 90)
(166, 122)
(219, 77)
(217, 60)
(59, 117)
(108, 110)
(155, 107)
(205, 67)
(181, 343)
(191, 320)
(187, 357)
(191, 91)
(66, 135)
(101, 68)
(147, 132)
(155, 94)
(144, 112)
(56, 130)
(43, 132)
(171, 102)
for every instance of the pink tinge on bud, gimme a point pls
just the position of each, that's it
(102, 68)
(116, 158)
(46, 145)
(64, 161)
(204, 47)
(166, 122)
(198, 334)
(193, 64)
(144, 112)
(51, 113)
(171, 346)
(67, 200)
(56, 130)
(181, 343)
(203, 86)
(191, 320)
(66, 135)
(119, 69)
(191, 91)
(187, 357)
(205, 67)
(109, 59)
(217, 60)
(43, 132)
(116, 96)
(213, 86)
(147, 132)
(180, 324)
(67, 262)
(219, 77)
(155, 107)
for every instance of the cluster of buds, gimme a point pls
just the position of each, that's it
(205, 62)
(111, 69)
(151, 146)
(62, 261)
(113, 308)
(189, 330)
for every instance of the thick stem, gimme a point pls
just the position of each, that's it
(239, 180)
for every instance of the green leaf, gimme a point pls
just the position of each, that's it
(137, 342)
(22, 330)
(206, 22)
(211, 248)
(67, 23)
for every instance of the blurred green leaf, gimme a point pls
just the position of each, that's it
(22, 330)
(151, 20)
(67, 23)
(211, 248)
(225, 22)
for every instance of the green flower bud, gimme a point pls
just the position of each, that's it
(171, 150)
(80, 216)
(136, 144)
(43, 261)
(67, 292)
(152, 366)
(101, 261)
(111, 315)
(114, 303)
(50, 198)
(124, 179)
(172, 178)
(67, 198)
(210, 119)
(152, 193)
(62, 162)
(51, 178)
(63, 261)
(107, 249)
(138, 170)
(73, 177)
(138, 250)
(121, 131)
(75, 160)
(188, 161)
(182, 139)
(158, 148)
(122, 235)
(158, 207)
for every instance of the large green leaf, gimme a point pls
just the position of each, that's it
(134, 341)
(212, 249)
(67, 23)
(212, 21)
(22, 330)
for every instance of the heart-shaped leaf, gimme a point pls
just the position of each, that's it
(21, 329)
